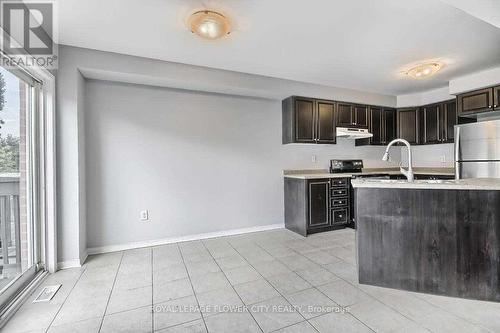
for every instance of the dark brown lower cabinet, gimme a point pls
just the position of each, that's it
(316, 205)
(438, 241)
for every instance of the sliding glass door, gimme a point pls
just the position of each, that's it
(20, 231)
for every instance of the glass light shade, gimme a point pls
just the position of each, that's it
(209, 24)
(424, 70)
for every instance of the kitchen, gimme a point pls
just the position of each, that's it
(431, 230)
(250, 166)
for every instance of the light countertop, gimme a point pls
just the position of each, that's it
(491, 184)
(323, 173)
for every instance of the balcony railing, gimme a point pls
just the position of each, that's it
(10, 233)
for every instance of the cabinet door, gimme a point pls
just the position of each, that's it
(431, 124)
(376, 125)
(344, 114)
(475, 101)
(390, 132)
(318, 203)
(496, 97)
(449, 121)
(407, 125)
(325, 128)
(361, 116)
(304, 120)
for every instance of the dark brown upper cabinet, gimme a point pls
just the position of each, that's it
(307, 120)
(360, 113)
(382, 124)
(478, 101)
(390, 126)
(430, 129)
(352, 115)
(376, 125)
(437, 122)
(345, 114)
(496, 98)
(325, 127)
(408, 125)
(449, 119)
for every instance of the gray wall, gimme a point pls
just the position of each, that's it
(199, 162)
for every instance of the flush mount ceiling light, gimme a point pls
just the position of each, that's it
(209, 24)
(423, 71)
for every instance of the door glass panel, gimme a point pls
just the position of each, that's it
(17, 142)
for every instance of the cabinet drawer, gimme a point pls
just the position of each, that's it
(340, 202)
(339, 182)
(339, 216)
(339, 192)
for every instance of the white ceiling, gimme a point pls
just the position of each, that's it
(358, 44)
(486, 10)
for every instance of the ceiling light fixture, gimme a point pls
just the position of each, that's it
(209, 24)
(423, 71)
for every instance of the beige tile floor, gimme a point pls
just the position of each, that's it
(274, 281)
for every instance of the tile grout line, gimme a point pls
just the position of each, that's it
(263, 277)
(446, 311)
(372, 297)
(59, 310)
(314, 287)
(111, 292)
(232, 287)
(361, 290)
(192, 287)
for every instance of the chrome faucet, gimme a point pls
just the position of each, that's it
(386, 157)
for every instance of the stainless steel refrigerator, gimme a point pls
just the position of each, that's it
(477, 150)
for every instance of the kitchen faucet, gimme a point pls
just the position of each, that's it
(409, 173)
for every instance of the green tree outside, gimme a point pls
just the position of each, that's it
(9, 146)
(9, 154)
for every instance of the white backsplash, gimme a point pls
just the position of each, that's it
(441, 155)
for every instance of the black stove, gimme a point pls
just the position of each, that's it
(346, 166)
(354, 168)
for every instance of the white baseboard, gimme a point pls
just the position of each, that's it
(69, 264)
(136, 245)
(84, 256)
(73, 262)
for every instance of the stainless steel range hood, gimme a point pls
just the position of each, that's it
(353, 133)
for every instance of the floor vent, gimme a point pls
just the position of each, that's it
(47, 293)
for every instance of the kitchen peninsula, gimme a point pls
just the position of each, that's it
(440, 237)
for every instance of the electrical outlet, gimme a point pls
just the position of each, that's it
(144, 216)
(313, 158)
(443, 159)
